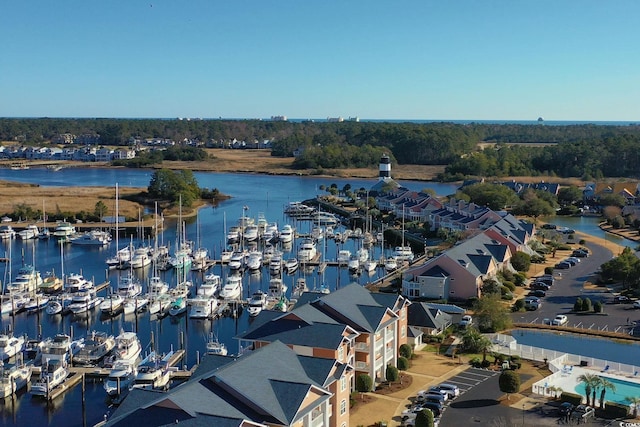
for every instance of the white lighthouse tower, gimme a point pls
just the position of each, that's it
(384, 171)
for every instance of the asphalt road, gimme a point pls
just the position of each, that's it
(569, 286)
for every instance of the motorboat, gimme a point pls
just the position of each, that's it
(257, 303)
(298, 210)
(157, 287)
(353, 264)
(291, 265)
(391, 264)
(53, 374)
(200, 258)
(112, 304)
(317, 233)
(14, 303)
(403, 253)
(250, 233)
(307, 251)
(233, 235)
(154, 371)
(140, 258)
(237, 261)
(10, 346)
(215, 347)
(27, 279)
(286, 234)
(325, 218)
(363, 255)
(51, 283)
(121, 377)
(270, 232)
(84, 301)
(95, 348)
(61, 347)
(277, 288)
(232, 288)
(63, 230)
(30, 232)
(202, 307)
(36, 302)
(7, 232)
(210, 286)
(160, 305)
(343, 256)
(225, 256)
(121, 258)
(275, 264)
(129, 287)
(54, 307)
(127, 348)
(77, 283)
(370, 265)
(33, 350)
(300, 287)
(182, 290)
(254, 262)
(13, 378)
(91, 238)
(134, 305)
(178, 307)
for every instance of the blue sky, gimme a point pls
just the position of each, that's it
(424, 59)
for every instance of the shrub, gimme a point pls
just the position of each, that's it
(475, 362)
(586, 304)
(548, 270)
(615, 410)
(485, 363)
(403, 363)
(364, 383)
(521, 261)
(509, 285)
(572, 398)
(577, 306)
(392, 373)
(518, 305)
(597, 307)
(406, 351)
(581, 242)
(509, 382)
(520, 279)
(424, 418)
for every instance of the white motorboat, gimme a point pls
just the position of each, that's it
(33, 350)
(178, 307)
(325, 218)
(300, 287)
(271, 232)
(237, 261)
(291, 265)
(157, 287)
(60, 347)
(36, 302)
(140, 258)
(95, 348)
(353, 264)
(134, 305)
(210, 286)
(254, 262)
(129, 287)
(84, 301)
(30, 232)
(344, 255)
(7, 232)
(233, 235)
(91, 238)
(154, 371)
(121, 377)
(232, 287)
(215, 347)
(257, 303)
(299, 209)
(275, 264)
(277, 288)
(10, 346)
(63, 231)
(14, 303)
(391, 264)
(121, 258)
(112, 304)
(202, 307)
(250, 233)
(54, 307)
(27, 279)
(286, 234)
(225, 256)
(53, 374)
(127, 348)
(77, 283)
(370, 265)
(13, 378)
(403, 253)
(317, 233)
(200, 259)
(160, 305)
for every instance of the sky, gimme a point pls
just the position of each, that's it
(418, 60)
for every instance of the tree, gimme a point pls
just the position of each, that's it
(521, 261)
(424, 418)
(509, 381)
(612, 200)
(605, 385)
(474, 342)
(569, 195)
(577, 306)
(635, 402)
(168, 185)
(406, 351)
(364, 383)
(586, 304)
(493, 196)
(100, 209)
(591, 382)
(403, 363)
(491, 314)
(392, 373)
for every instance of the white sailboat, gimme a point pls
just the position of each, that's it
(122, 255)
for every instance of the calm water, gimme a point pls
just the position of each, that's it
(261, 194)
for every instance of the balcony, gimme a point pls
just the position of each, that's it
(360, 346)
(362, 366)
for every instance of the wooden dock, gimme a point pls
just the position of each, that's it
(71, 381)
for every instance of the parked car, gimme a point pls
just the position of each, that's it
(532, 303)
(579, 253)
(568, 231)
(621, 299)
(537, 293)
(546, 278)
(562, 265)
(572, 261)
(559, 320)
(451, 389)
(466, 321)
(549, 226)
(540, 286)
(439, 394)
(636, 304)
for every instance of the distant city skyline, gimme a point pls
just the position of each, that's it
(569, 60)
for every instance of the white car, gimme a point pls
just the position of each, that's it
(466, 321)
(559, 320)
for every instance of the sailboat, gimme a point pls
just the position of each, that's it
(403, 253)
(122, 256)
(44, 232)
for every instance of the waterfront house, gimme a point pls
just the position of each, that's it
(272, 386)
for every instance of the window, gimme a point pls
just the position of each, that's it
(413, 293)
(340, 353)
(343, 383)
(402, 331)
(343, 406)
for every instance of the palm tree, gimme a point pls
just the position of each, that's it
(635, 401)
(591, 382)
(604, 385)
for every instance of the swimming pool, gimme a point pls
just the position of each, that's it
(623, 390)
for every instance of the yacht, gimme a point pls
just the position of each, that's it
(60, 348)
(307, 251)
(91, 238)
(210, 286)
(53, 374)
(36, 302)
(134, 305)
(403, 253)
(254, 262)
(275, 264)
(154, 371)
(31, 232)
(13, 378)
(112, 304)
(10, 346)
(277, 288)
(232, 287)
(95, 348)
(291, 265)
(233, 235)
(215, 347)
(250, 233)
(121, 377)
(178, 307)
(7, 232)
(84, 301)
(63, 231)
(77, 283)
(391, 264)
(344, 255)
(27, 279)
(200, 258)
(286, 235)
(140, 258)
(51, 283)
(237, 261)
(127, 348)
(129, 287)
(121, 258)
(202, 307)
(257, 303)
(299, 209)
